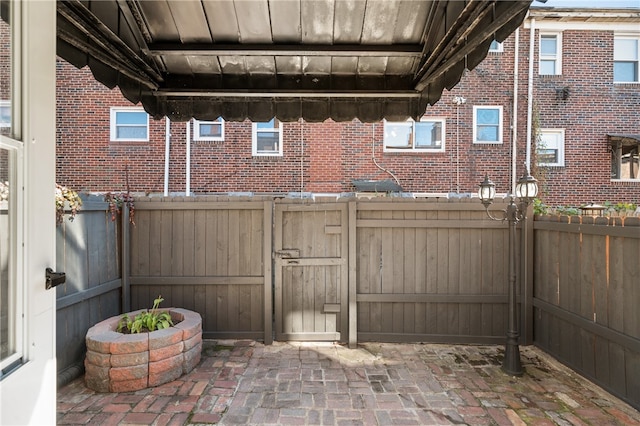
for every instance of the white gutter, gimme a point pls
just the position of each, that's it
(187, 190)
(514, 138)
(530, 92)
(167, 145)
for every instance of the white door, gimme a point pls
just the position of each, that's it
(27, 212)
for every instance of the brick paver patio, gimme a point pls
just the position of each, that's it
(245, 382)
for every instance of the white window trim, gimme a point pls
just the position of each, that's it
(500, 48)
(196, 131)
(631, 36)
(441, 148)
(254, 140)
(113, 127)
(475, 124)
(17, 293)
(558, 55)
(559, 148)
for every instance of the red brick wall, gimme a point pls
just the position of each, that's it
(326, 157)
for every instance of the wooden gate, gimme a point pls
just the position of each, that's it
(311, 271)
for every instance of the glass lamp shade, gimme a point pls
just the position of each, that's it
(487, 191)
(527, 188)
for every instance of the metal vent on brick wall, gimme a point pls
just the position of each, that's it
(386, 185)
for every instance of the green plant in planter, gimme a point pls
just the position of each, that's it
(146, 321)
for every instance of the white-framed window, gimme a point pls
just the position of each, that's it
(626, 59)
(550, 54)
(208, 130)
(487, 124)
(129, 124)
(267, 138)
(426, 135)
(496, 47)
(5, 114)
(550, 148)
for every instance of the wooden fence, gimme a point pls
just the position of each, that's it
(420, 270)
(431, 270)
(207, 254)
(587, 297)
(88, 251)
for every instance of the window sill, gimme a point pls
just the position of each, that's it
(626, 181)
(413, 151)
(128, 143)
(208, 141)
(267, 156)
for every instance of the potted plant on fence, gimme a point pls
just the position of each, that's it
(142, 349)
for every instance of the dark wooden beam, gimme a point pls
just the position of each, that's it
(348, 50)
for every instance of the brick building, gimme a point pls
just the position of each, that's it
(575, 119)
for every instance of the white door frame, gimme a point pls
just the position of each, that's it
(28, 394)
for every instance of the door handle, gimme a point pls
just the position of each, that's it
(53, 279)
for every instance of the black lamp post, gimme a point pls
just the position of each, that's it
(526, 191)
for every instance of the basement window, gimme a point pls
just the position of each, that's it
(129, 124)
(208, 130)
(426, 135)
(625, 157)
(267, 138)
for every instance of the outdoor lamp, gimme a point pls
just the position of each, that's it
(527, 188)
(525, 191)
(487, 191)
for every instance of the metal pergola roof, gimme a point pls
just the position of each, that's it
(256, 59)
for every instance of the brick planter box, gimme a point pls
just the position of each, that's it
(117, 362)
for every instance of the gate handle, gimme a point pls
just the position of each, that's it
(53, 279)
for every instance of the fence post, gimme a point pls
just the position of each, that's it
(353, 277)
(125, 259)
(268, 271)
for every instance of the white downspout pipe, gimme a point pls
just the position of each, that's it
(530, 92)
(167, 146)
(514, 137)
(187, 190)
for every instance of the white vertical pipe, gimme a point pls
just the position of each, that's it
(530, 93)
(167, 145)
(301, 156)
(514, 142)
(188, 161)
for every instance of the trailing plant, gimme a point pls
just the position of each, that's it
(65, 194)
(536, 170)
(118, 201)
(146, 321)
